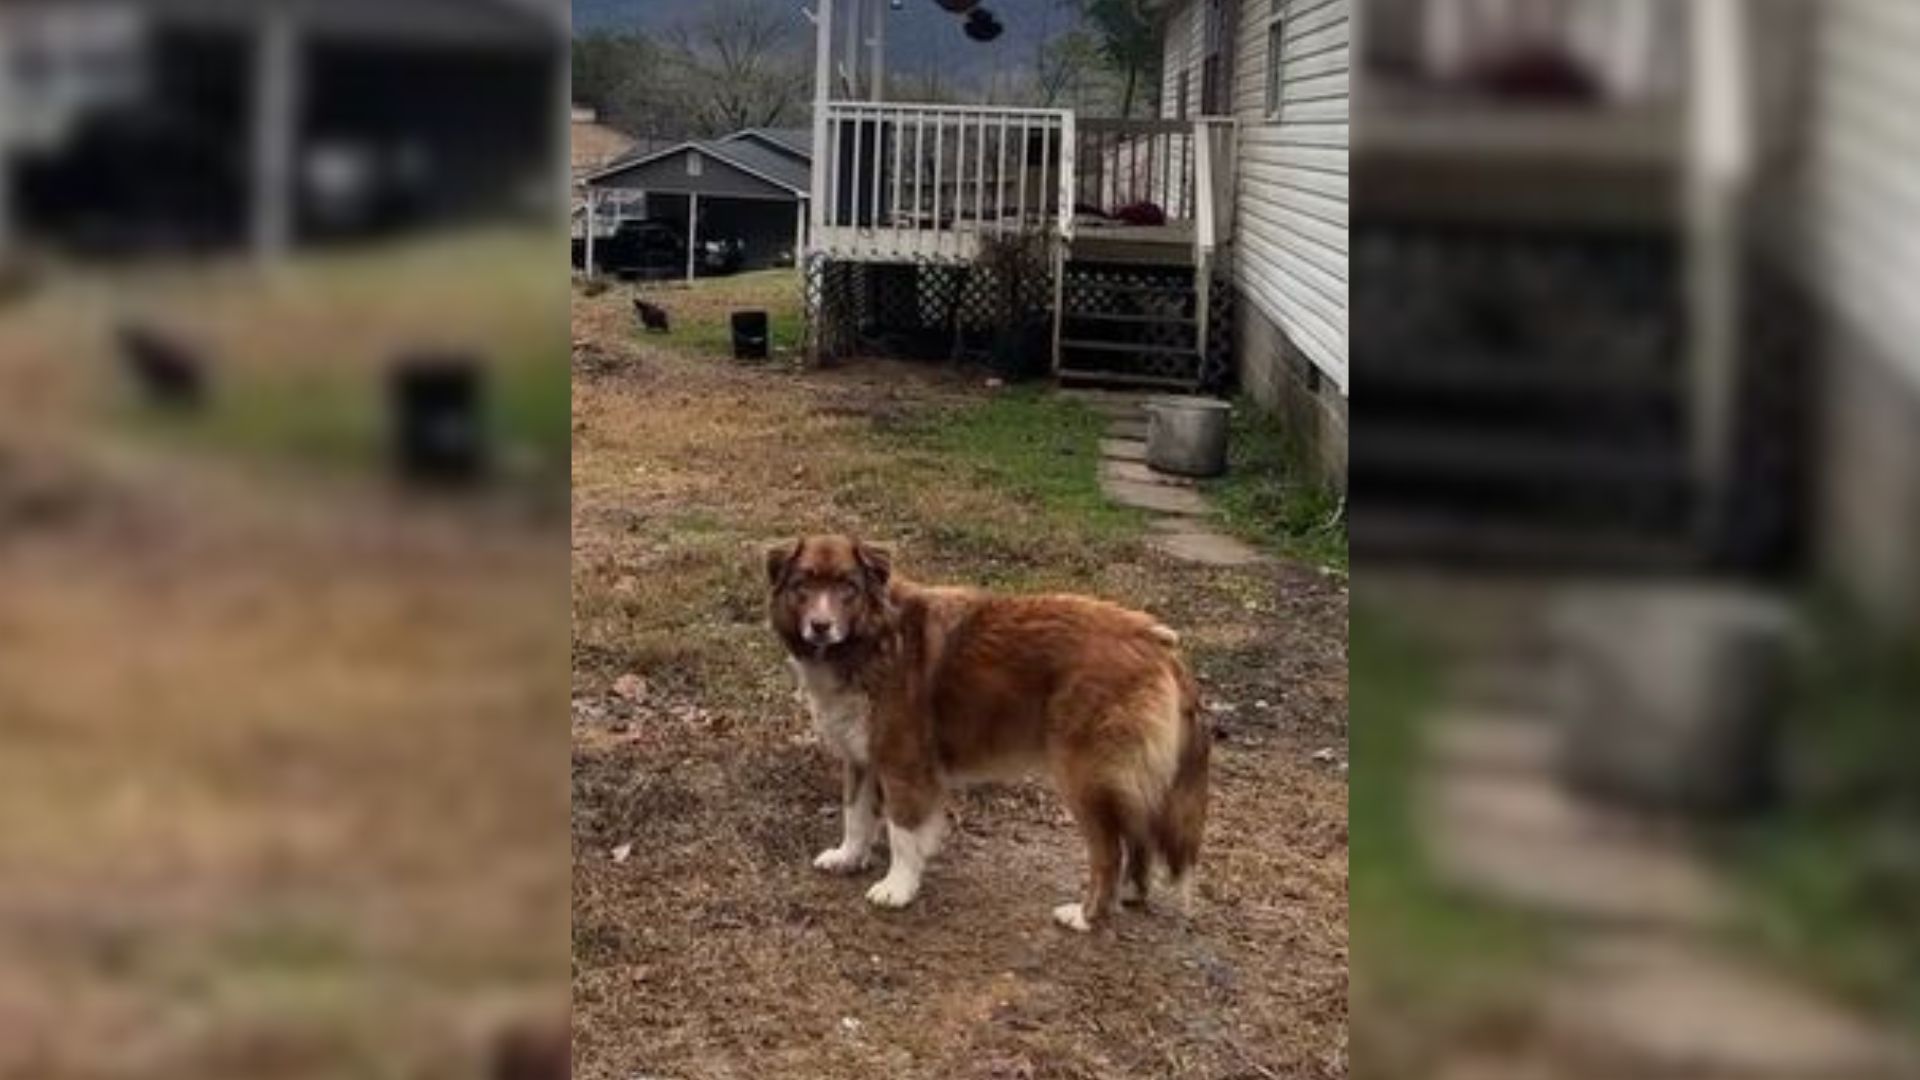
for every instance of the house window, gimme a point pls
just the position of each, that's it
(695, 166)
(1213, 64)
(1276, 52)
(1181, 102)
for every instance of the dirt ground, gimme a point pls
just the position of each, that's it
(705, 945)
(280, 781)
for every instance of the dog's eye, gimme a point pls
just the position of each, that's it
(846, 590)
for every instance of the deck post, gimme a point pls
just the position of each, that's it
(815, 207)
(276, 118)
(856, 29)
(1719, 166)
(6, 157)
(693, 232)
(878, 44)
(593, 215)
(1202, 304)
(561, 87)
(800, 232)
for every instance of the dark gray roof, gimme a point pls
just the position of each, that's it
(769, 164)
(772, 164)
(644, 147)
(797, 140)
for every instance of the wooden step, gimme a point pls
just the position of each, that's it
(1182, 288)
(1459, 375)
(1127, 349)
(1410, 450)
(1136, 320)
(1492, 541)
(1131, 252)
(1125, 378)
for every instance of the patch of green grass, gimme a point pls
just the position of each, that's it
(1271, 499)
(1421, 945)
(339, 419)
(317, 420)
(702, 312)
(1834, 873)
(714, 336)
(288, 944)
(1043, 449)
(532, 406)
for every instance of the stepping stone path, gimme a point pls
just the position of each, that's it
(1646, 979)
(1183, 530)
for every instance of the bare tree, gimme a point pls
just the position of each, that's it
(1067, 68)
(1130, 42)
(611, 72)
(740, 64)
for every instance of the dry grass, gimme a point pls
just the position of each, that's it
(297, 359)
(281, 777)
(716, 951)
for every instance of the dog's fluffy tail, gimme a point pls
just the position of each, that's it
(1181, 817)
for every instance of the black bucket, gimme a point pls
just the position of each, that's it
(750, 335)
(439, 422)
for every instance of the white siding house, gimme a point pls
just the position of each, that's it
(1120, 231)
(1280, 68)
(1863, 234)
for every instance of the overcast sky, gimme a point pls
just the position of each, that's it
(919, 36)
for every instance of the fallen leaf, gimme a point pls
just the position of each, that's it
(630, 686)
(620, 853)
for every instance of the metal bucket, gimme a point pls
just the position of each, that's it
(1187, 436)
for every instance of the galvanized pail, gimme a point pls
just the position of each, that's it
(1187, 436)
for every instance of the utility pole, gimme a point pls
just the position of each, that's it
(277, 82)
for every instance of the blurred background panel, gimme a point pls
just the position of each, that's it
(284, 367)
(1636, 521)
(183, 124)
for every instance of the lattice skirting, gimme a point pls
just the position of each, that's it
(1216, 367)
(1144, 294)
(998, 314)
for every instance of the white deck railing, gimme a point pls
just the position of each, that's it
(1213, 185)
(907, 182)
(1213, 143)
(1131, 163)
(1633, 49)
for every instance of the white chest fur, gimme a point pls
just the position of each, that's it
(839, 709)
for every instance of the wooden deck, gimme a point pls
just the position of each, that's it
(1154, 245)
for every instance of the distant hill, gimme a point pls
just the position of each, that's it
(920, 37)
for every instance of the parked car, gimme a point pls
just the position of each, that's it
(722, 256)
(642, 249)
(655, 248)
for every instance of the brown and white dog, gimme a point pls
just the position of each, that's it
(920, 688)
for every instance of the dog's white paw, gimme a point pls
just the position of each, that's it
(840, 860)
(1073, 917)
(893, 892)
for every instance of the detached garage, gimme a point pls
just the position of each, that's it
(748, 189)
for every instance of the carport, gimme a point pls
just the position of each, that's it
(735, 189)
(271, 122)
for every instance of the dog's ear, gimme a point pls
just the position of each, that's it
(876, 560)
(780, 559)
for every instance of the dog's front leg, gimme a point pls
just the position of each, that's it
(860, 813)
(916, 824)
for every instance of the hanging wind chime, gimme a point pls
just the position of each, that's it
(981, 25)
